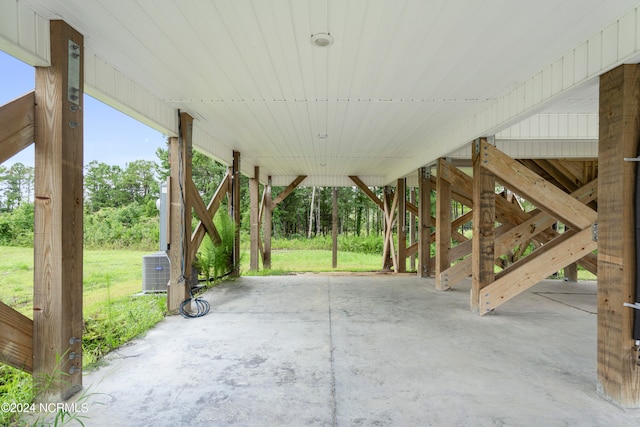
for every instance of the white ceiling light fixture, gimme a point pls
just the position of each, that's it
(321, 39)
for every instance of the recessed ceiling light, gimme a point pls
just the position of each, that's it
(321, 136)
(321, 40)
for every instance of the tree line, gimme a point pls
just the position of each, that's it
(120, 204)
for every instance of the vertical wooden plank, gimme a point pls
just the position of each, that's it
(334, 228)
(618, 373)
(268, 211)
(571, 272)
(412, 228)
(484, 217)
(235, 208)
(424, 221)
(254, 228)
(443, 226)
(58, 210)
(402, 225)
(180, 159)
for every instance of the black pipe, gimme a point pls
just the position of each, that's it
(636, 312)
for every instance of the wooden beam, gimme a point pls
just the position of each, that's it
(266, 258)
(200, 231)
(58, 211)
(424, 222)
(509, 236)
(367, 191)
(285, 193)
(565, 249)
(443, 225)
(412, 229)
(535, 189)
(16, 125)
(206, 218)
(235, 210)
(16, 339)
(401, 191)
(618, 373)
(484, 219)
(254, 225)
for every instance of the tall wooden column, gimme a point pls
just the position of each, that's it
(387, 257)
(484, 219)
(618, 373)
(402, 225)
(235, 210)
(412, 228)
(424, 221)
(334, 229)
(57, 292)
(443, 226)
(268, 225)
(254, 229)
(180, 159)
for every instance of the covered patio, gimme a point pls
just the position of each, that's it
(370, 350)
(480, 103)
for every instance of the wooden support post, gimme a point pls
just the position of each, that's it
(618, 373)
(443, 227)
(401, 191)
(268, 226)
(412, 228)
(254, 230)
(180, 159)
(484, 218)
(57, 292)
(424, 221)
(571, 272)
(388, 253)
(334, 229)
(235, 209)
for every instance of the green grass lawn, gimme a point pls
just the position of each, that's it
(108, 274)
(288, 260)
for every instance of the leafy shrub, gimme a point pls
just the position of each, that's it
(214, 261)
(123, 227)
(16, 227)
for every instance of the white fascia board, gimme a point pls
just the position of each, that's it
(108, 85)
(553, 126)
(539, 149)
(24, 34)
(612, 46)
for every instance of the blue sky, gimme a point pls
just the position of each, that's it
(109, 136)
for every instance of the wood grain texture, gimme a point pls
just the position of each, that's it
(484, 219)
(17, 120)
(618, 374)
(58, 230)
(16, 339)
(424, 222)
(443, 225)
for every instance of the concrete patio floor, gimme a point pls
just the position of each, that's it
(374, 350)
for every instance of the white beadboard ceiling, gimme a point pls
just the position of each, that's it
(406, 81)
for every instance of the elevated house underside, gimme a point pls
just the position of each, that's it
(484, 105)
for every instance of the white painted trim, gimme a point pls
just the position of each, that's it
(24, 34)
(110, 86)
(539, 149)
(616, 44)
